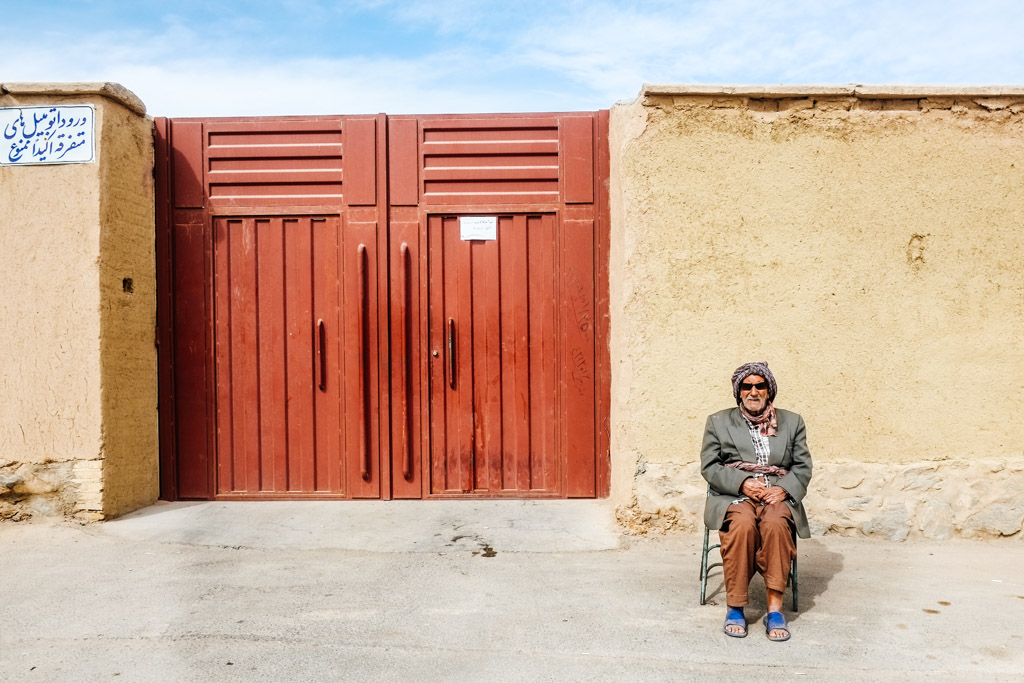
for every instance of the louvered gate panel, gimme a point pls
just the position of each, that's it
(490, 161)
(272, 162)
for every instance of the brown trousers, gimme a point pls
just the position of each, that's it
(756, 538)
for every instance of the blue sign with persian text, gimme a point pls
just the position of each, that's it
(47, 135)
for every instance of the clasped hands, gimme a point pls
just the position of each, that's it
(758, 491)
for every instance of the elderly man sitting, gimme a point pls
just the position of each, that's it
(756, 460)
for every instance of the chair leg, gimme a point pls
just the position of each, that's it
(793, 583)
(704, 568)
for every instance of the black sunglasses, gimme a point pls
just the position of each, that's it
(747, 386)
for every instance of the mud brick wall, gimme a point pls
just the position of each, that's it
(78, 421)
(867, 243)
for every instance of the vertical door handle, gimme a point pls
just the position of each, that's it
(406, 364)
(451, 353)
(364, 343)
(321, 354)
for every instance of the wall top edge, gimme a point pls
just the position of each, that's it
(112, 91)
(850, 90)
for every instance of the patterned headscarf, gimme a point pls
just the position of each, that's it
(756, 368)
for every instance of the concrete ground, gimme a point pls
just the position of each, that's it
(476, 591)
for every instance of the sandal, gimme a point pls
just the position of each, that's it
(774, 621)
(734, 617)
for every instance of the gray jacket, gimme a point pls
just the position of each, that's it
(726, 439)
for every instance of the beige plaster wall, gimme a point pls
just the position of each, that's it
(127, 285)
(78, 426)
(868, 244)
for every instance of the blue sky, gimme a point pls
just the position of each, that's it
(189, 58)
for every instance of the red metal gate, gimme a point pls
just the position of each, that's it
(304, 351)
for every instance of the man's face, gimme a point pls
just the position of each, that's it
(754, 399)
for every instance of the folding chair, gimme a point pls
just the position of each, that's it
(706, 568)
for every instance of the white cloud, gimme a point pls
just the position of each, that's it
(529, 56)
(610, 46)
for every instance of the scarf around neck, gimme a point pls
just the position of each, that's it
(767, 421)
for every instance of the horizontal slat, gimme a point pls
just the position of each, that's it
(490, 123)
(492, 147)
(491, 198)
(481, 134)
(250, 204)
(279, 163)
(493, 161)
(478, 186)
(272, 151)
(275, 176)
(492, 173)
(277, 190)
(273, 205)
(331, 124)
(496, 193)
(275, 138)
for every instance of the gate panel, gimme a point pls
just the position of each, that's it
(406, 352)
(361, 160)
(543, 353)
(277, 355)
(273, 388)
(192, 423)
(403, 162)
(450, 308)
(579, 409)
(188, 165)
(515, 324)
(494, 376)
(328, 339)
(362, 379)
(578, 159)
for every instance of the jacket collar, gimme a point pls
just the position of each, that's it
(741, 437)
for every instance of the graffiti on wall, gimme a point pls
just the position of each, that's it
(47, 135)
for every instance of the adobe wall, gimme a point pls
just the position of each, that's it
(78, 423)
(867, 243)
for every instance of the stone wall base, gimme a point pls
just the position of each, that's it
(70, 488)
(933, 500)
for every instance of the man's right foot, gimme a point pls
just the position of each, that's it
(735, 623)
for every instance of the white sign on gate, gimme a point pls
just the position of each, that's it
(478, 227)
(47, 135)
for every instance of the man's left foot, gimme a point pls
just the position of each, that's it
(775, 627)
